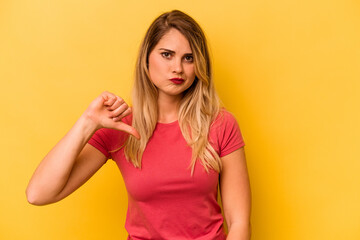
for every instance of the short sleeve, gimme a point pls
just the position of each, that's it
(108, 141)
(228, 134)
(100, 140)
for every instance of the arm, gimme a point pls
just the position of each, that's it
(53, 172)
(70, 163)
(236, 195)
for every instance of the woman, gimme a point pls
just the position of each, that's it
(174, 146)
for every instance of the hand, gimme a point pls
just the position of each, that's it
(107, 110)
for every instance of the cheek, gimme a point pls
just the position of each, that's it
(155, 66)
(190, 70)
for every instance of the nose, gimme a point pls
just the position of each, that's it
(177, 66)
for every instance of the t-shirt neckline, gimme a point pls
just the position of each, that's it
(168, 124)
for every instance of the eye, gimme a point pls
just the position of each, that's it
(166, 54)
(189, 58)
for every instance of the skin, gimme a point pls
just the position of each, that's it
(171, 58)
(236, 195)
(234, 180)
(73, 161)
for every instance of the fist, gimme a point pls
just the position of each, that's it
(107, 110)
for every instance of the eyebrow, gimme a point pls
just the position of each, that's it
(171, 51)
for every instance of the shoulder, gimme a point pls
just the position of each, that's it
(224, 119)
(225, 134)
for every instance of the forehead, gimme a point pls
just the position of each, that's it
(174, 40)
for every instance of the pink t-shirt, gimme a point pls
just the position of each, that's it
(164, 200)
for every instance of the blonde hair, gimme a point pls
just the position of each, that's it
(199, 105)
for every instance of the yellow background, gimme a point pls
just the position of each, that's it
(288, 70)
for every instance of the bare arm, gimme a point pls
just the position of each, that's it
(236, 195)
(72, 161)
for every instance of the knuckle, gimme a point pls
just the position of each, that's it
(103, 93)
(120, 100)
(117, 111)
(112, 107)
(116, 118)
(126, 112)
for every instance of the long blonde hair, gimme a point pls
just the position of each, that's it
(199, 105)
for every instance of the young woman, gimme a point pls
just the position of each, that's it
(174, 146)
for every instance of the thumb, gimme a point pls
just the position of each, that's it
(127, 128)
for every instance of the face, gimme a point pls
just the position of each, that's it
(171, 64)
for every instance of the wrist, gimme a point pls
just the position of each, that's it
(87, 124)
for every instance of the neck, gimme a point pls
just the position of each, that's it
(168, 108)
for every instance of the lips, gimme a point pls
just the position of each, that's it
(177, 80)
